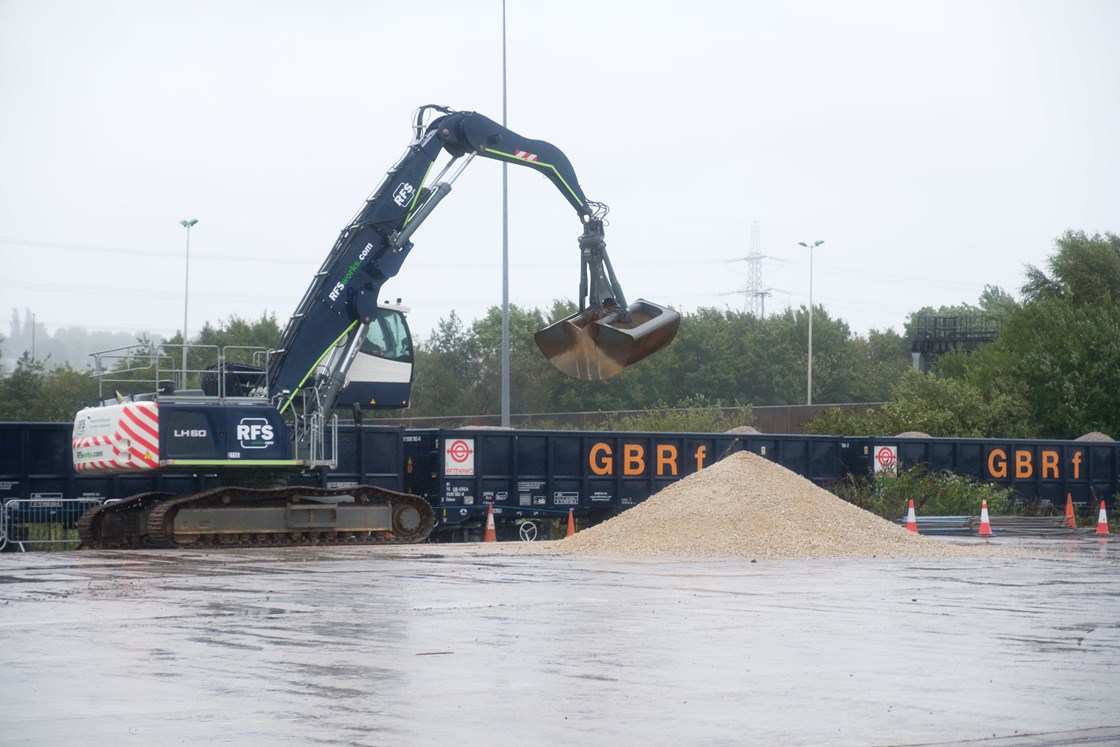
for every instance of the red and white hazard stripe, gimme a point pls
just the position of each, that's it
(140, 423)
(525, 155)
(134, 444)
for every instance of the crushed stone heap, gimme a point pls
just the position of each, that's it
(748, 506)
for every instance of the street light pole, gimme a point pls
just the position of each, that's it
(187, 224)
(809, 386)
(505, 245)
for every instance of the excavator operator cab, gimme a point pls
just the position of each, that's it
(381, 374)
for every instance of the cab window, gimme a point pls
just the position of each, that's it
(388, 337)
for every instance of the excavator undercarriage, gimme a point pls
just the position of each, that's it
(233, 516)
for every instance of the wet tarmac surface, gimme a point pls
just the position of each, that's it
(468, 644)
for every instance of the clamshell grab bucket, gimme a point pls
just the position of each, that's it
(596, 345)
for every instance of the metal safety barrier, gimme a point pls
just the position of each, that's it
(1032, 526)
(43, 523)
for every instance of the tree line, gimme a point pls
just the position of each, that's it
(64, 345)
(1053, 371)
(719, 356)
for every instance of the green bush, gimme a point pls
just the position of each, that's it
(934, 494)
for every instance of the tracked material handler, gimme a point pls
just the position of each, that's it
(256, 426)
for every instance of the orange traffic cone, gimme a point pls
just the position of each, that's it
(491, 535)
(911, 519)
(1071, 518)
(1102, 521)
(571, 524)
(985, 524)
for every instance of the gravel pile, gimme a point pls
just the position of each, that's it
(748, 506)
(747, 429)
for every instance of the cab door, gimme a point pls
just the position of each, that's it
(381, 375)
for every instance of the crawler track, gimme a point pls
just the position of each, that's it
(249, 517)
(120, 521)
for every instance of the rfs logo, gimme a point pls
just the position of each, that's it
(254, 433)
(404, 193)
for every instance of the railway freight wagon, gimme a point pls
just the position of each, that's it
(529, 477)
(532, 477)
(1036, 471)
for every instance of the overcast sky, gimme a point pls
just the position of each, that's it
(936, 147)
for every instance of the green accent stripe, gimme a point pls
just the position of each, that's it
(416, 194)
(231, 462)
(316, 365)
(549, 166)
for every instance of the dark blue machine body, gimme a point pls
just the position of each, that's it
(201, 435)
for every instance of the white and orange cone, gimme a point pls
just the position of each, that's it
(491, 535)
(1102, 521)
(985, 523)
(911, 519)
(571, 524)
(1071, 517)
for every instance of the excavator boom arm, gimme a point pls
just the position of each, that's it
(469, 132)
(342, 299)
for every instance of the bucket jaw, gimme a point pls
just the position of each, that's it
(607, 334)
(597, 344)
